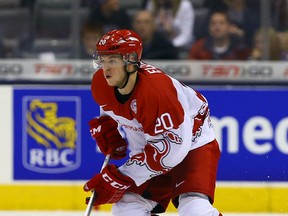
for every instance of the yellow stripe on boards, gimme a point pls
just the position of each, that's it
(72, 197)
(252, 199)
(41, 197)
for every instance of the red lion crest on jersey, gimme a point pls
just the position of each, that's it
(199, 121)
(153, 154)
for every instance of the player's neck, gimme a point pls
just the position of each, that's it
(130, 85)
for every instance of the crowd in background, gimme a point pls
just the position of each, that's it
(170, 29)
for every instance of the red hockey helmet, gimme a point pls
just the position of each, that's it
(124, 42)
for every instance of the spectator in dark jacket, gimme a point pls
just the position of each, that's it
(221, 44)
(110, 15)
(155, 44)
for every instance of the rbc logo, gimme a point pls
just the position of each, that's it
(51, 143)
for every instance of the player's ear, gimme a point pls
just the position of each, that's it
(130, 68)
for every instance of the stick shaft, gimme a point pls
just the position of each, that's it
(90, 203)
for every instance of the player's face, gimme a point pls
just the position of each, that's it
(113, 67)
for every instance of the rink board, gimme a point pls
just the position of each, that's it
(251, 127)
(247, 198)
(250, 124)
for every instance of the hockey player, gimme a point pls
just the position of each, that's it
(173, 154)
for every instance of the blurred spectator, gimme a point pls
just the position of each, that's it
(244, 16)
(274, 45)
(245, 20)
(283, 40)
(175, 18)
(111, 15)
(90, 35)
(155, 44)
(221, 44)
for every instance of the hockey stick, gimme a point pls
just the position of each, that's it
(93, 196)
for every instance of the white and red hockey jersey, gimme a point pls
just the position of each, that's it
(163, 120)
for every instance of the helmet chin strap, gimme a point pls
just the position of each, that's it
(126, 81)
(128, 75)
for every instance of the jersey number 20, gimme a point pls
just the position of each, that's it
(163, 123)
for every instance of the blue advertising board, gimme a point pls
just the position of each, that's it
(52, 139)
(252, 129)
(51, 134)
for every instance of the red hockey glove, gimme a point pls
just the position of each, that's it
(104, 131)
(109, 185)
